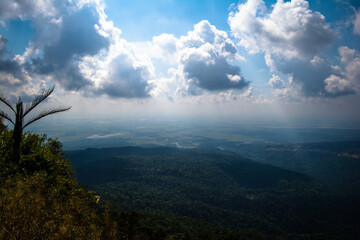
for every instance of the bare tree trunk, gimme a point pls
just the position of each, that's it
(17, 134)
(20, 113)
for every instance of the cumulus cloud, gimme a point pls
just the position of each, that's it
(25, 9)
(204, 62)
(77, 38)
(71, 38)
(350, 59)
(76, 46)
(290, 29)
(319, 78)
(337, 85)
(165, 46)
(12, 74)
(126, 78)
(286, 90)
(119, 72)
(292, 37)
(309, 74)
(276, 82)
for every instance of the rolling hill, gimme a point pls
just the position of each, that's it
(218, 188)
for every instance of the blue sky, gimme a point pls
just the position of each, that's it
(244, 60)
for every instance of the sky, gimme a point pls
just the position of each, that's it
(292, 61)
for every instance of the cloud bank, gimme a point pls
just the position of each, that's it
(80, 49)
(70, 36)
(292, 37)
(205, 58)
(289, 30)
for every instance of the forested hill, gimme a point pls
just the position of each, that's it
(94, 166)
(219, 188)
(337, 164)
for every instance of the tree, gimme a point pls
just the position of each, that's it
(2, 126)
(43, 200)
(20, 114)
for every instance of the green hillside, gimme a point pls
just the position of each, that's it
(216, 188)
(337, 164)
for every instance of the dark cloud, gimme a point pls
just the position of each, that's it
(292, 36)
(11, 71)
(204, 60)
(309, 74)
(3, 50)
(126, 79)
(10, 66)
(18, 8)
(316, 77)
(67, 43)
(77, 38)
(316, 36)
(213, 75)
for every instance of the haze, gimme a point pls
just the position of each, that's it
(289, 63)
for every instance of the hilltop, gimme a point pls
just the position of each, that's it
(216, 187)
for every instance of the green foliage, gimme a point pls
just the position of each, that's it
(19, 113)
(39, 155)
(2, 126)
(219, 189)
(334, 163)
(161, 194)
(39, 199)
(31, 208)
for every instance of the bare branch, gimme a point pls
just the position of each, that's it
(4, 115)
(6, 102)
(38, 100)
(46, 113)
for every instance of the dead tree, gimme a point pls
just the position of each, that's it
(20, 113)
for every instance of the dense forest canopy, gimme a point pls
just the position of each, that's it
(161, 193)
(220, 188)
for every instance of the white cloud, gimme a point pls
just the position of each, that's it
(289, 30)
(288, 91)
(276, 82)
(291, 92)
(12, 74)
(119, 71)
(350, 58)
(24, 9)
(248, 93)
(76, 46)
(166, 47)
(127, 77)
(109, 135)
(292, 37)
(337, 85)
(204, 61)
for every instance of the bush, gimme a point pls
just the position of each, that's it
(39, 199)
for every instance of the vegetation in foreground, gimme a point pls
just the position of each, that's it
(40, 199)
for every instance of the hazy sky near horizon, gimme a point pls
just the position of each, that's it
(251, 59)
